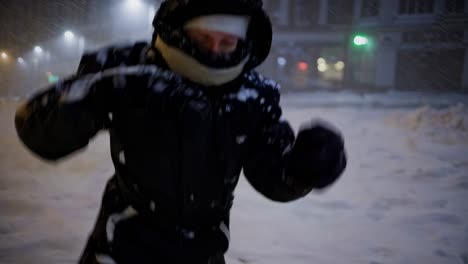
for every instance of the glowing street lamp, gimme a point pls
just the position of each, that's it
(4, 55)
(134, 4)
(281, 61)
(322, 67)
(69, 35)
(339, 66)
(321, 61)
(38, 50)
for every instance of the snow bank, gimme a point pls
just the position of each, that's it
(454, 117)
(390, 99)
(446, 125)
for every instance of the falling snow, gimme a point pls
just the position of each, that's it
(245, 94)
(402, 198)
(401, 105)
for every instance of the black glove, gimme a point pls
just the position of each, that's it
(318, 157)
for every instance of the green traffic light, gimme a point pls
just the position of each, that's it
(51, 78)
(360, 40)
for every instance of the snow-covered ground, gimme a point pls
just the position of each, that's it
(403, 198)
(387, 99)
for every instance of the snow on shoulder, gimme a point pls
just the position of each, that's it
(246, 93)
(257, 80)
(253, 88)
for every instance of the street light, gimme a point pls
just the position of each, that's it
(38, 50)
(281, 61)
(339, 66)
(322, 67)
(20, 60)
(4, 56)
(134, 4)
(69, 35)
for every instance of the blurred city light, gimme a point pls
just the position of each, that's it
(302, 66)
(321, 61)
(281, 61)
(69, 35)
(52, 78)
(20, 60)
(134, 4)
(360, 40)
(339, 66)
(322, 67)
(4, 56)
(38, 50)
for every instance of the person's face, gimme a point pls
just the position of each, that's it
(214, 41)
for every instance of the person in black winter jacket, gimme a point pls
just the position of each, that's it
(186, 113)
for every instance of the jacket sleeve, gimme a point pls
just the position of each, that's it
(52, 126)
(111, 57)
(63, 118)
(278, 167)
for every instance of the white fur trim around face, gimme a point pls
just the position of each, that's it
(231, 24)
(185, 65)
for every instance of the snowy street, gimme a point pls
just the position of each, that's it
(402, 200)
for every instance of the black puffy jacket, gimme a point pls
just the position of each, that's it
(178, 148)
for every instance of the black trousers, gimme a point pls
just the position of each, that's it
(135, 240)
(130, 255)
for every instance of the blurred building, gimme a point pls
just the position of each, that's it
(378, 44)
(26, 24)
(404, 44)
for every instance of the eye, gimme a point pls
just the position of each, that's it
(206, 37)
(228, 42)
(198, 36)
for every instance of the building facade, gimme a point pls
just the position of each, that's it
(27, 24)
(403, 44)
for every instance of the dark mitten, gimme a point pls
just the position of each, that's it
(318, 157)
